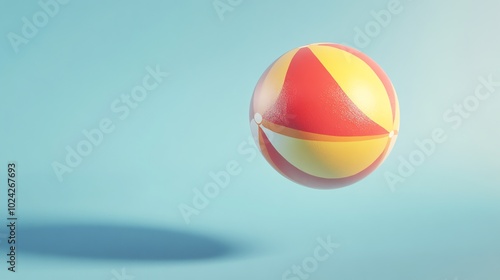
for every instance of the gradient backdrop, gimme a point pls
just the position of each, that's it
(116, 215)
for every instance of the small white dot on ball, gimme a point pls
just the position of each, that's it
(258, 118)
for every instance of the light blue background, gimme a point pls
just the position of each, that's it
(440, 223)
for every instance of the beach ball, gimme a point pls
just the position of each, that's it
(324, 115)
